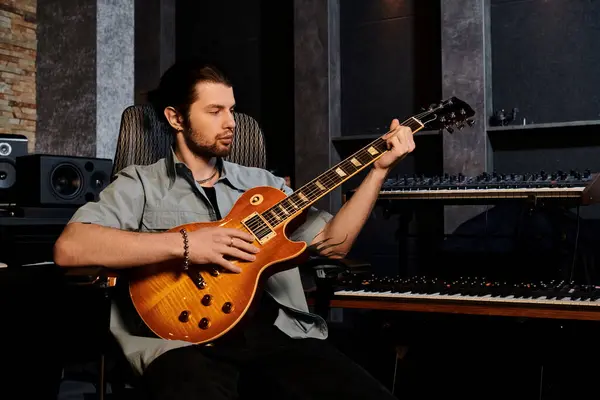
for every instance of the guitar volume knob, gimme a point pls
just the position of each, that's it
(204, 323)
(184, 316)
(227, 307)
(206, 299)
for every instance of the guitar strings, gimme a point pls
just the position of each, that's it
(307, 191)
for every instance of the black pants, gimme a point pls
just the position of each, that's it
(263, 362)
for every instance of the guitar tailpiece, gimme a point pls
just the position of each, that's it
(186, 248)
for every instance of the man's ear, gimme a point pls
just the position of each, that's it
(174, 118)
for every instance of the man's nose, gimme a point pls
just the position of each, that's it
(230, 121)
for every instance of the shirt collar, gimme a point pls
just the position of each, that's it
(229, 171)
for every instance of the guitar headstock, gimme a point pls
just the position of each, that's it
(449, 113)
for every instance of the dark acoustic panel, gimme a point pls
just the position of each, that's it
(549, 149)
(390, 61)
(359, 12)
(66, 77)
(545, 57)
(229, 33)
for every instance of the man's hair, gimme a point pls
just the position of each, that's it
(177, 87)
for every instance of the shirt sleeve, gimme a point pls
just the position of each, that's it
(120, 204)
(315, 221)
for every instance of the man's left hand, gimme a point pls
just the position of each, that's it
(400, 142)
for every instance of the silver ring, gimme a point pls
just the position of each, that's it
(231, 244)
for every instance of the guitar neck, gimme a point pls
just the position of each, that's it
(308, 194)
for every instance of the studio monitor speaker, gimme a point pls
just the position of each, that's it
(11, 147)
(52, 180)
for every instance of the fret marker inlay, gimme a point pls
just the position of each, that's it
(355, 162)
(340, 172)
(302, 196)
(320, 185)
(372, 151)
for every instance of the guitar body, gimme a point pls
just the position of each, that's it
(172, 304)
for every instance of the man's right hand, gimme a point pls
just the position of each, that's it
(213, 245)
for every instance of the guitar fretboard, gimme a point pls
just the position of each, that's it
(330, 179)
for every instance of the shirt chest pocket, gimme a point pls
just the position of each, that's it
(160, 220)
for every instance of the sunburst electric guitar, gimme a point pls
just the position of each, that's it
(201, 303)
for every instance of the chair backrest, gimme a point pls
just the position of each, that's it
(145, 138)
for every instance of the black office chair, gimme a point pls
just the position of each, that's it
(144, 138)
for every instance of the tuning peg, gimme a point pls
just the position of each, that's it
(460, 126)
(450, 129)
(470, 122)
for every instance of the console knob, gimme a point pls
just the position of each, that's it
(204, 323)
(206, 299)
(184, 316)
(214, 272)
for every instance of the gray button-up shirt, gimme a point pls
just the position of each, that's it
(164, 195)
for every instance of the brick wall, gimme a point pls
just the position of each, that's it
(18, 45)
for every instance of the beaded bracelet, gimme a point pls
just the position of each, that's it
(186, 248)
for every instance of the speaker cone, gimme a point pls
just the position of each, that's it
(66, 181)
(8, 174)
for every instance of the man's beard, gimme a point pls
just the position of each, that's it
(203, 150)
